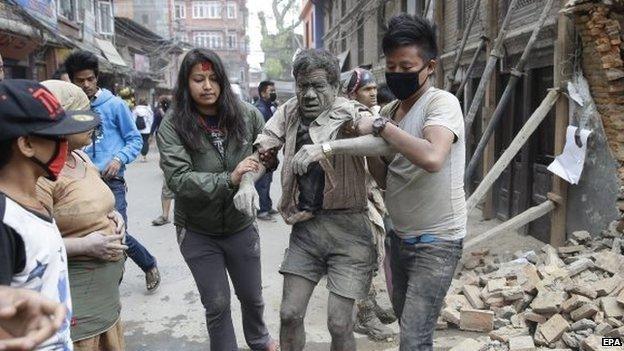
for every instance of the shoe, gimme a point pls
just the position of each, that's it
(265, 216)
(385, 315)
(152, 280)
(374, 329)
(160, 221)
(273, 211)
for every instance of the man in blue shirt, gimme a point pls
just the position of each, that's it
(267, 106)
(118, 145)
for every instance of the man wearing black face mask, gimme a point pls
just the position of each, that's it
(267, 106)
(423, 132)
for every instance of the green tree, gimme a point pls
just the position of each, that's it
(279, 47)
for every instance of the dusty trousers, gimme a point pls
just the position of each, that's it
(211, 259)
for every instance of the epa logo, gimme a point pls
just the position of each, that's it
(611, 342)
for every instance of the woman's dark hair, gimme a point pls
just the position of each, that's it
(405, 30)
(81, 60)
(6, 150)
(59, 72)
(313, 59)
(186, 114)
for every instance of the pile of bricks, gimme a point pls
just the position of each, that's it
(566, 298)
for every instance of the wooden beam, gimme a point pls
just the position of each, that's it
(515, 223)
(450, 79)
(564, 47)
(491, 98)
(523, 136)
(439, 20)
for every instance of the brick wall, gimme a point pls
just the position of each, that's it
(600, 29)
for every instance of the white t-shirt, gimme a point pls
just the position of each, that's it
(43, 262)
(420, 202)
(148, 116)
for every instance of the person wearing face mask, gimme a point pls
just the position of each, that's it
(83, 207)
(33, 126)
(267, 105)
(422, 133)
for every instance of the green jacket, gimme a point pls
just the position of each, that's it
(199, 179)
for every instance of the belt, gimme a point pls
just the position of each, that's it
(340, 211)
(421, 239)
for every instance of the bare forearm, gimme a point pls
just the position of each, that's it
(419, 151)
(75, 247)
(366, 145)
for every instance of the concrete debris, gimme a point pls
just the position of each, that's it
(556, 298)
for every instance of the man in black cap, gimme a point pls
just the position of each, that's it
(33, 126)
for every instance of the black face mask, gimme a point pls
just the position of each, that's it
(272, 97)
(404, 84)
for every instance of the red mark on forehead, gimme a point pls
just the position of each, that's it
(206, 66)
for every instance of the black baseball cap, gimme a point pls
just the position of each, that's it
(29, 108)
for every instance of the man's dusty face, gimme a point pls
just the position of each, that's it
(87, 80)
(314, 93)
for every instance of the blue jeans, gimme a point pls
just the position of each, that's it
(137, 252)
(421, 276)
(263, 186)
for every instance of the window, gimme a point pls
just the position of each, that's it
(216, 40)
(231, 10)
(67, 9)
(206, 9)
(179, 10)
(212, 40)
(106, 24)
(231, 41)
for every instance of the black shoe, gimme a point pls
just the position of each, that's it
(273, 211)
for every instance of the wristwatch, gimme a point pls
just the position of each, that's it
(379, 124)
(327, 150)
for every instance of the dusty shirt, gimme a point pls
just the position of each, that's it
(345, 181)
(420, 202)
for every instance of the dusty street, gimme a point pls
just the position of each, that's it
(173, 319)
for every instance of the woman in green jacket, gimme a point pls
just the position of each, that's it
(205, 145)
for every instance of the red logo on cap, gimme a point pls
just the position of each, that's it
(49, 101)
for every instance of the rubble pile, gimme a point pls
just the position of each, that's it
(566, 298)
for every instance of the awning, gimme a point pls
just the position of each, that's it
(342, 58)
(110, 52)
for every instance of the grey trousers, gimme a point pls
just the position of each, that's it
(211, 259)
(421, 276)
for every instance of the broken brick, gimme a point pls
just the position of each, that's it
(603, 328)
(496, 285)
(573, 303)
(476, 320)
(609, 261)
(534, 317)
(473, 295)
(521, 343)
(585, 311)
(611, 307)
(468, 345)
(554, 328)
(450, 315)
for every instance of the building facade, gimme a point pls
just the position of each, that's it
(219, 25)
(153, 14)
